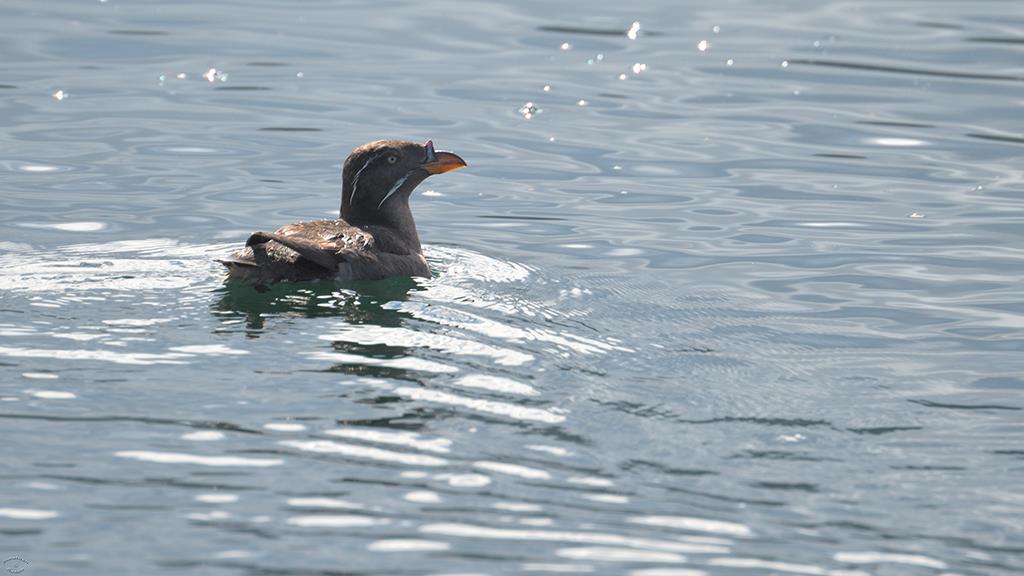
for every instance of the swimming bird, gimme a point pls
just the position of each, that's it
(375, 236)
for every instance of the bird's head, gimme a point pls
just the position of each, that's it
(379, 177)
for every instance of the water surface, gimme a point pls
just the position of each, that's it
(726, 290)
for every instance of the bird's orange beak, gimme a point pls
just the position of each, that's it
(439, 162)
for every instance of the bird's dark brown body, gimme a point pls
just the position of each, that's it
(374, 238)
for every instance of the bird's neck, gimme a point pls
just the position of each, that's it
(397, 218)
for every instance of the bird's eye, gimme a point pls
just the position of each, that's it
(392, 159)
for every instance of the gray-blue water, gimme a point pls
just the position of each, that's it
(734, 290)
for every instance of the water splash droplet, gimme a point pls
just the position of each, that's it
(529, 110)
(785, 64)
(729, 62)
(639, 67)
(716, 29)
(703, 45)
(634, 29)
(60, 95)
(210, 75)
(181, 76)
(582, 102)
(566, 46)
(547, 88)
(915, 215)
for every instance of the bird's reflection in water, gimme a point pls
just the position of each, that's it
(357, 302)
(352, 303)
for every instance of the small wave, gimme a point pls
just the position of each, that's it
(907, 70)
(122, 266)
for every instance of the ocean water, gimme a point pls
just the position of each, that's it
(727, 288)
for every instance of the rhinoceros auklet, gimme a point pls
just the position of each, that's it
(375, 236)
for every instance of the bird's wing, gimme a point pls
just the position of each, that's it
(322, 254)
(325, 243)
